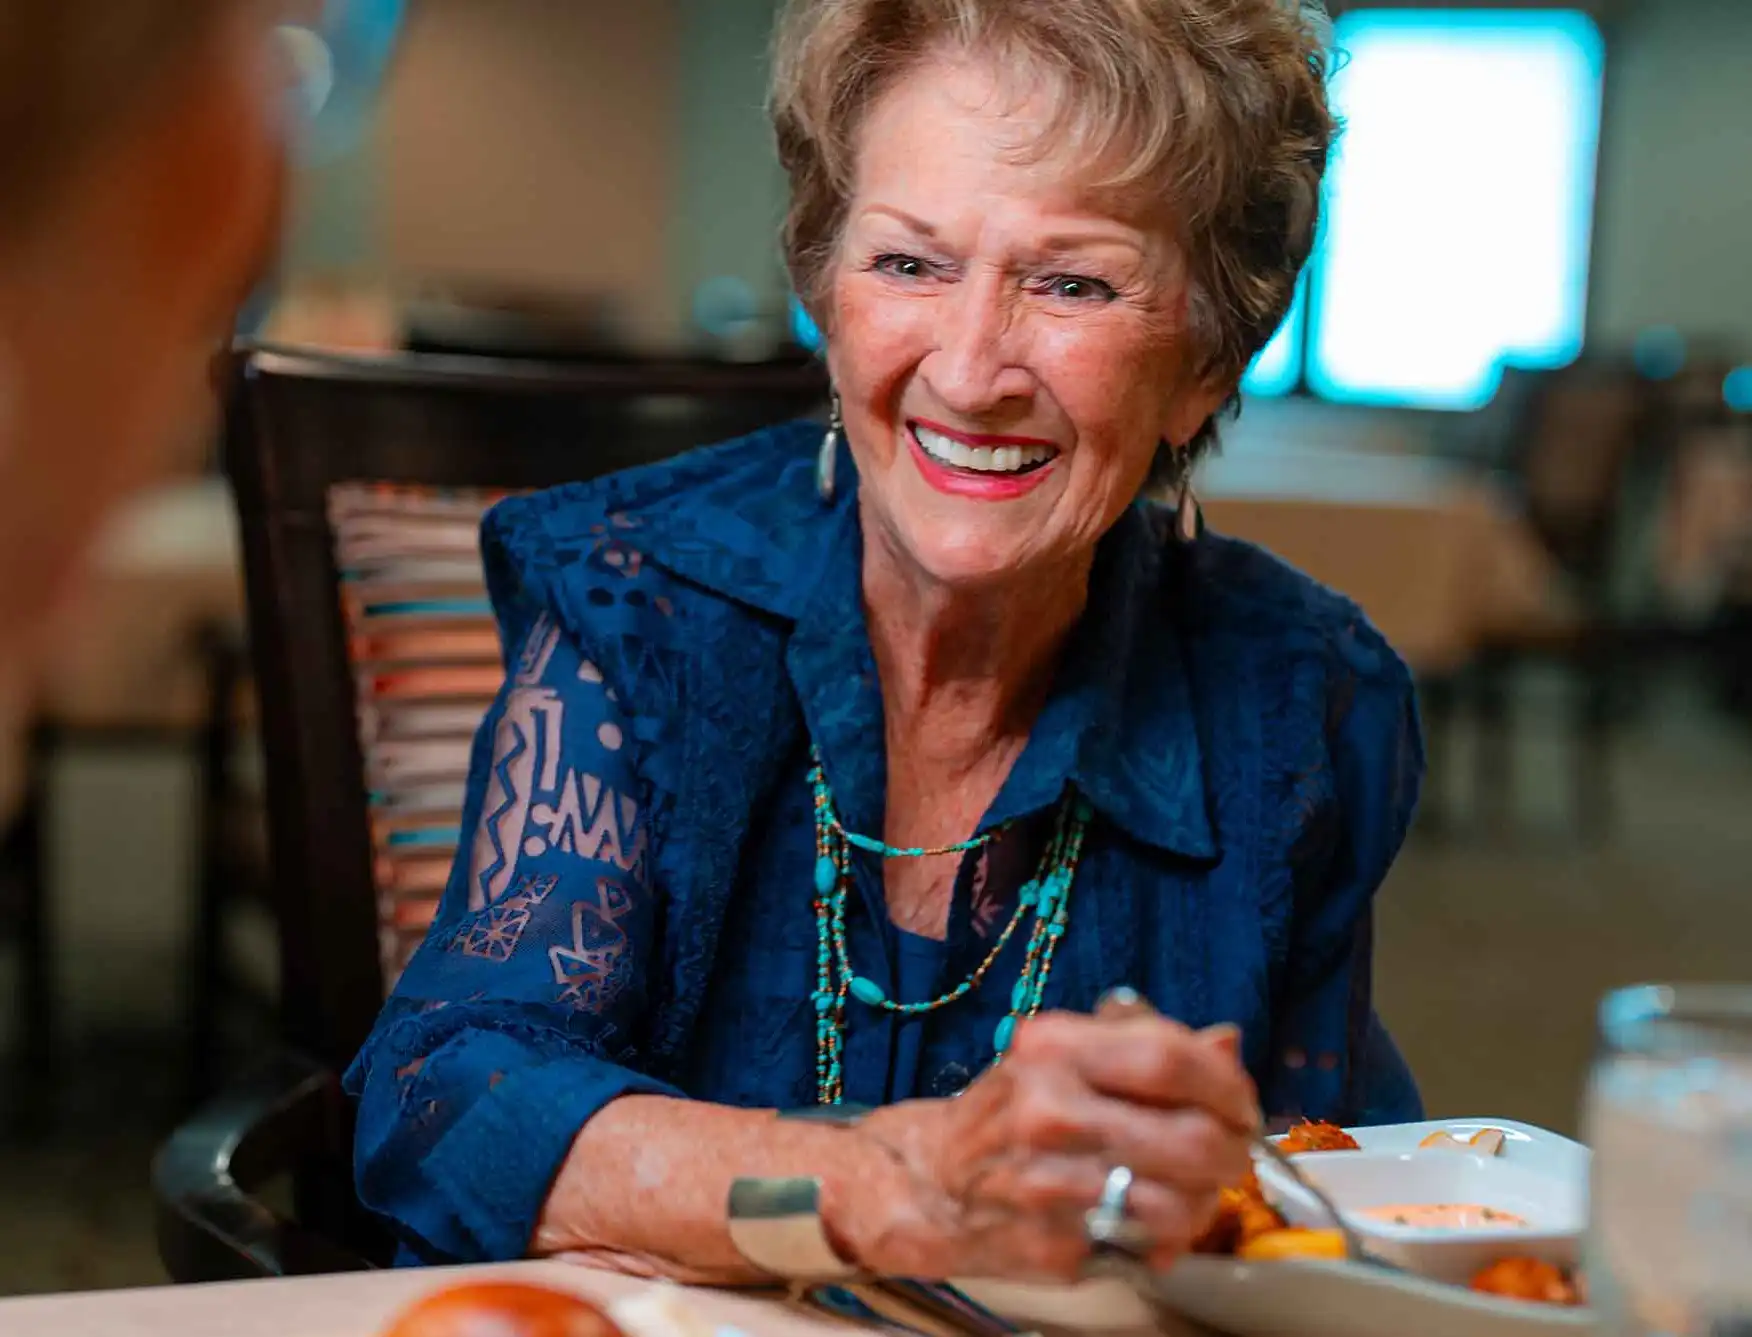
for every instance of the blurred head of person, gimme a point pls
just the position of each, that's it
(140, 176)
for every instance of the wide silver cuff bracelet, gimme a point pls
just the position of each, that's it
(776, 1225)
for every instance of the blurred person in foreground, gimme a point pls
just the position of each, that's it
(843, 774)
(140, 173)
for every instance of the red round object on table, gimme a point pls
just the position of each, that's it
(502, 1309)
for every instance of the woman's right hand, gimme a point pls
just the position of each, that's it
(995, 1182)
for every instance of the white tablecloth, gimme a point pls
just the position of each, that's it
(1434, 555)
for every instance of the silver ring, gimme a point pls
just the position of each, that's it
(1108, 1224)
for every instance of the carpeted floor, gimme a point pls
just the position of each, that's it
(1492, 951)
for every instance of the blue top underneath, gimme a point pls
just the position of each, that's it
(633, 911)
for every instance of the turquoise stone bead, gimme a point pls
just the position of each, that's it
(1005, 1033)
(1045, 898)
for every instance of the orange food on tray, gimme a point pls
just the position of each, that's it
(1527, 1279)
(1249, 1228)
(1272, 1246)
(1244, 1216)
(504, 1309)
(1313, 1136)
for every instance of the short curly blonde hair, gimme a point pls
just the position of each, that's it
(1216, 108)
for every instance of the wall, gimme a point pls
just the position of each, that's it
(1674, 223)
(1674, 234)
(731, 191)
(530, 145)
(601, 146)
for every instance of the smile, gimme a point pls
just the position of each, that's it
(992, 468)
(988, 456)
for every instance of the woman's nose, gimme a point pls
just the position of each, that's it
(976, 363)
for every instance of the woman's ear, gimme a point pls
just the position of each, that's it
(1192, 408)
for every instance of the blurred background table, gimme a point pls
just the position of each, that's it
(1433, 554)
(149, 663)
(168, 567)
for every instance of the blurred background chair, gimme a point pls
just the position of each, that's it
(360, 483)
(151, 669)
(1703, 551)
(25, 915)
(1562, 441)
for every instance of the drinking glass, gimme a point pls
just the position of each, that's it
(1669, 1116)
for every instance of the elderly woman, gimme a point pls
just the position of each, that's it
(846, 773)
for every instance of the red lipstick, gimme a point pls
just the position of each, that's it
(981, 438)
(973, 483)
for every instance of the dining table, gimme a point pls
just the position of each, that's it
(1436, 553)
(364, 1304)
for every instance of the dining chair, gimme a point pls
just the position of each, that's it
(187, 711)
(1565, 440)
(360, 484)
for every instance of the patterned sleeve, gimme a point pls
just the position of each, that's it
(520, 1015)
(1332, 1058)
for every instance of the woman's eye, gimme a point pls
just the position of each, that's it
(1079, 288)
(902, 266)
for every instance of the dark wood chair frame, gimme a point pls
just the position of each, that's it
(296, 425)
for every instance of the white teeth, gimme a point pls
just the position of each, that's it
(983, 459)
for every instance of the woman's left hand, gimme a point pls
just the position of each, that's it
(1002, 1177)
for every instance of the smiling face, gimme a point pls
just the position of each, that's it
(1007, 343)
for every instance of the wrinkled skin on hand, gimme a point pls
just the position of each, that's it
(1001, 1176)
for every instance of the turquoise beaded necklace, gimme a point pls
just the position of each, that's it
(1046, 897)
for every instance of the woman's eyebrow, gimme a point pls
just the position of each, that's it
(1053, 245)
(901, 216)
(1078, 241)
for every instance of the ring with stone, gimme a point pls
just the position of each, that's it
(1109, 1224)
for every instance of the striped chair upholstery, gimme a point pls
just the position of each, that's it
(424, 651)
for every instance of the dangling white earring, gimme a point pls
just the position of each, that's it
(828, 460)
(1188, 521)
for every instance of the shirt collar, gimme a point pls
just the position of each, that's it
(1120, 722)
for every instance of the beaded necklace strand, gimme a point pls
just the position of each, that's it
(1045, 897)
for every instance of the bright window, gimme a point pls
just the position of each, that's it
(1279, 364)
(1459, 207)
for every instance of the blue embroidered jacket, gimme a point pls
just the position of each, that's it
(634, 911)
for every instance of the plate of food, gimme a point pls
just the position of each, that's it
(1480, 1218)
(1462, 1199)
